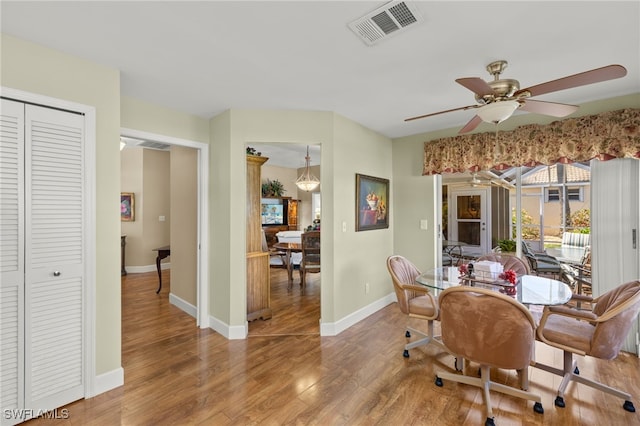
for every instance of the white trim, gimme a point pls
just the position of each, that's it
(202, 273)
(238, 332)
(107, 381)
(147, 268)
(89, 249)
(333, 329)
(182, 305)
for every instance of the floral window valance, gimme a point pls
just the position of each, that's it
(612, 134)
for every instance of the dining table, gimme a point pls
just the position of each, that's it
(529, 289)
(288, 248)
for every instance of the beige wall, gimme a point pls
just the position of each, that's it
(145, 172)
(131, 181)
(37, 69)
(156, 202)
(184, 223)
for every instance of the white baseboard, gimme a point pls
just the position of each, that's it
(107, 381)
(237, 332)
(183, 305)
(333, 329)
(147, 268)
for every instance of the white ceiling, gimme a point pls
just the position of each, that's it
(206, 57)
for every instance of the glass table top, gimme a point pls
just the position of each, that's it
(530, 289)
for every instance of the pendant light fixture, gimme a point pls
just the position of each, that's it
(307, 181)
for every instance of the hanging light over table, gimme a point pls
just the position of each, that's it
(307, 181)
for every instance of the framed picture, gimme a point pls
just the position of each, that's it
(127, 207)
(372, 203)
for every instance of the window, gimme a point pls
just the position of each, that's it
(553, 194)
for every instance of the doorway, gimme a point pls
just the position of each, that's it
(202, 268)
(294, 311)
(468, 219)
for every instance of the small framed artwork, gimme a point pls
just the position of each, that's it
(127, 207)
(372, 203)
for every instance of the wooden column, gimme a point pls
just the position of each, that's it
(258, 280)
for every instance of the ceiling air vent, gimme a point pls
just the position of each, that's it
(392, 18)
(131, 142)
(155, 145)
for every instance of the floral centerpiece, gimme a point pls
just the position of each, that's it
(510, 276)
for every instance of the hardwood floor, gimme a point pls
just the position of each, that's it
(285, 373)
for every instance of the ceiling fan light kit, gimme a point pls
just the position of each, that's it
(497, 112)
(497, 100)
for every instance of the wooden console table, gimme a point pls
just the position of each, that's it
(162, 253)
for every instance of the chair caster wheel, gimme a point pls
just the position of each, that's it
(438, 381)
(405, 353)
(628, 405)
(489, 422)
(559, 402)
(537, 407)
(576, 371)
(407, 334)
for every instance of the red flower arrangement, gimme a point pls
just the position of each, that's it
(463, 269)
(509, 275)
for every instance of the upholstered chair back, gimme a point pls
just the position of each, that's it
(402, 271)
(508, 261)
(487, 327)
(616, 309)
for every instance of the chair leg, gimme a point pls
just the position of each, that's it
(425, 338)
(570, 373)
(484, 382)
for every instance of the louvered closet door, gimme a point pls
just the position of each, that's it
(54, 233)
(11, 255)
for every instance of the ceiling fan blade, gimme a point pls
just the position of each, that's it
(472, 124)
(597, 75)
(548, 108)
(476, 85)
(441, 112)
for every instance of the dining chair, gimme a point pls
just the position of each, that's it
(276, 258)
(599, 332)
(414, 300)
(508, 261)
(491, 329)
(310, 261)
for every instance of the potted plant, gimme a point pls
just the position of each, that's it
(507, 246)
(273, 188)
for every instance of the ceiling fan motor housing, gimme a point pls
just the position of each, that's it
(502, 89)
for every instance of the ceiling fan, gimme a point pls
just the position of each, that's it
(497, 100)
(477, 182)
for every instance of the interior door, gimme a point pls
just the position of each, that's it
(469, 216)
(54, 262)
(615, 223)
(11, 255)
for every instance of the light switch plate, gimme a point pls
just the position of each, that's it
(423, 224)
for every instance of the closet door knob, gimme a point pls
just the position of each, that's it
(56, 273)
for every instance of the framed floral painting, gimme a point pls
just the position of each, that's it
(127, 207)
(372, 203)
